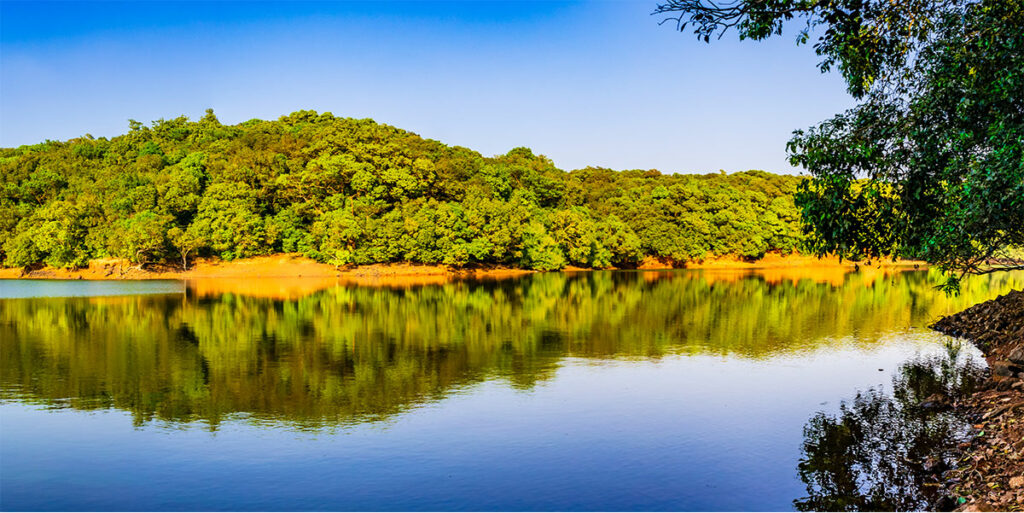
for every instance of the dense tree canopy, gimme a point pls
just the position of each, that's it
(930, 164)
(347, 191)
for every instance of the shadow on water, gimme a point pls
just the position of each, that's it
(888, 452)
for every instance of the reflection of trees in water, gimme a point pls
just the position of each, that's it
(350, 354)
(885, 452)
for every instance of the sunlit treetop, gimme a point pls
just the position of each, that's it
(930, 164)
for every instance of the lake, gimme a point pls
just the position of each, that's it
(617, 390)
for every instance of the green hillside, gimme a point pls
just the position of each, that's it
(349, 191)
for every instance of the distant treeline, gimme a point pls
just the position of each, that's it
(348, 191)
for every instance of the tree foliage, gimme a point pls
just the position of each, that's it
(348, 191)
(930, 164)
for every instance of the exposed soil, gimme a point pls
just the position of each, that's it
(770, 261)
(990, 474)
(295, 266)
(272, 266)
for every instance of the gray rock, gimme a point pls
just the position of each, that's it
(1017, 355)
(1005, 369)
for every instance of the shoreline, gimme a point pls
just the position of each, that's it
(296, 266)
(276, 266)
(990, 471)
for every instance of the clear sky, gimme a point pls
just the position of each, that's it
(585, 83)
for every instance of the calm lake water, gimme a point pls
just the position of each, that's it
(682, 390)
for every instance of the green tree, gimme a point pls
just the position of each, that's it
(186, 242)
(335, 235)
(577, 237)
(55, 234)
(540, 250)
(930, 164)
(181, 188)
(620, 245)
(143, 237)
(228, 219)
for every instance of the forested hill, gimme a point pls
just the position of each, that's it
(347, 191)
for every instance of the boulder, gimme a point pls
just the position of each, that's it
(1016, 355)
(1005, 369)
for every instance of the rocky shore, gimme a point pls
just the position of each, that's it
(990, 472)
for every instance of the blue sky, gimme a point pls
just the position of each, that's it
(585, 83)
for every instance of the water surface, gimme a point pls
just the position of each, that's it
(594, 391)
(10, 289)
